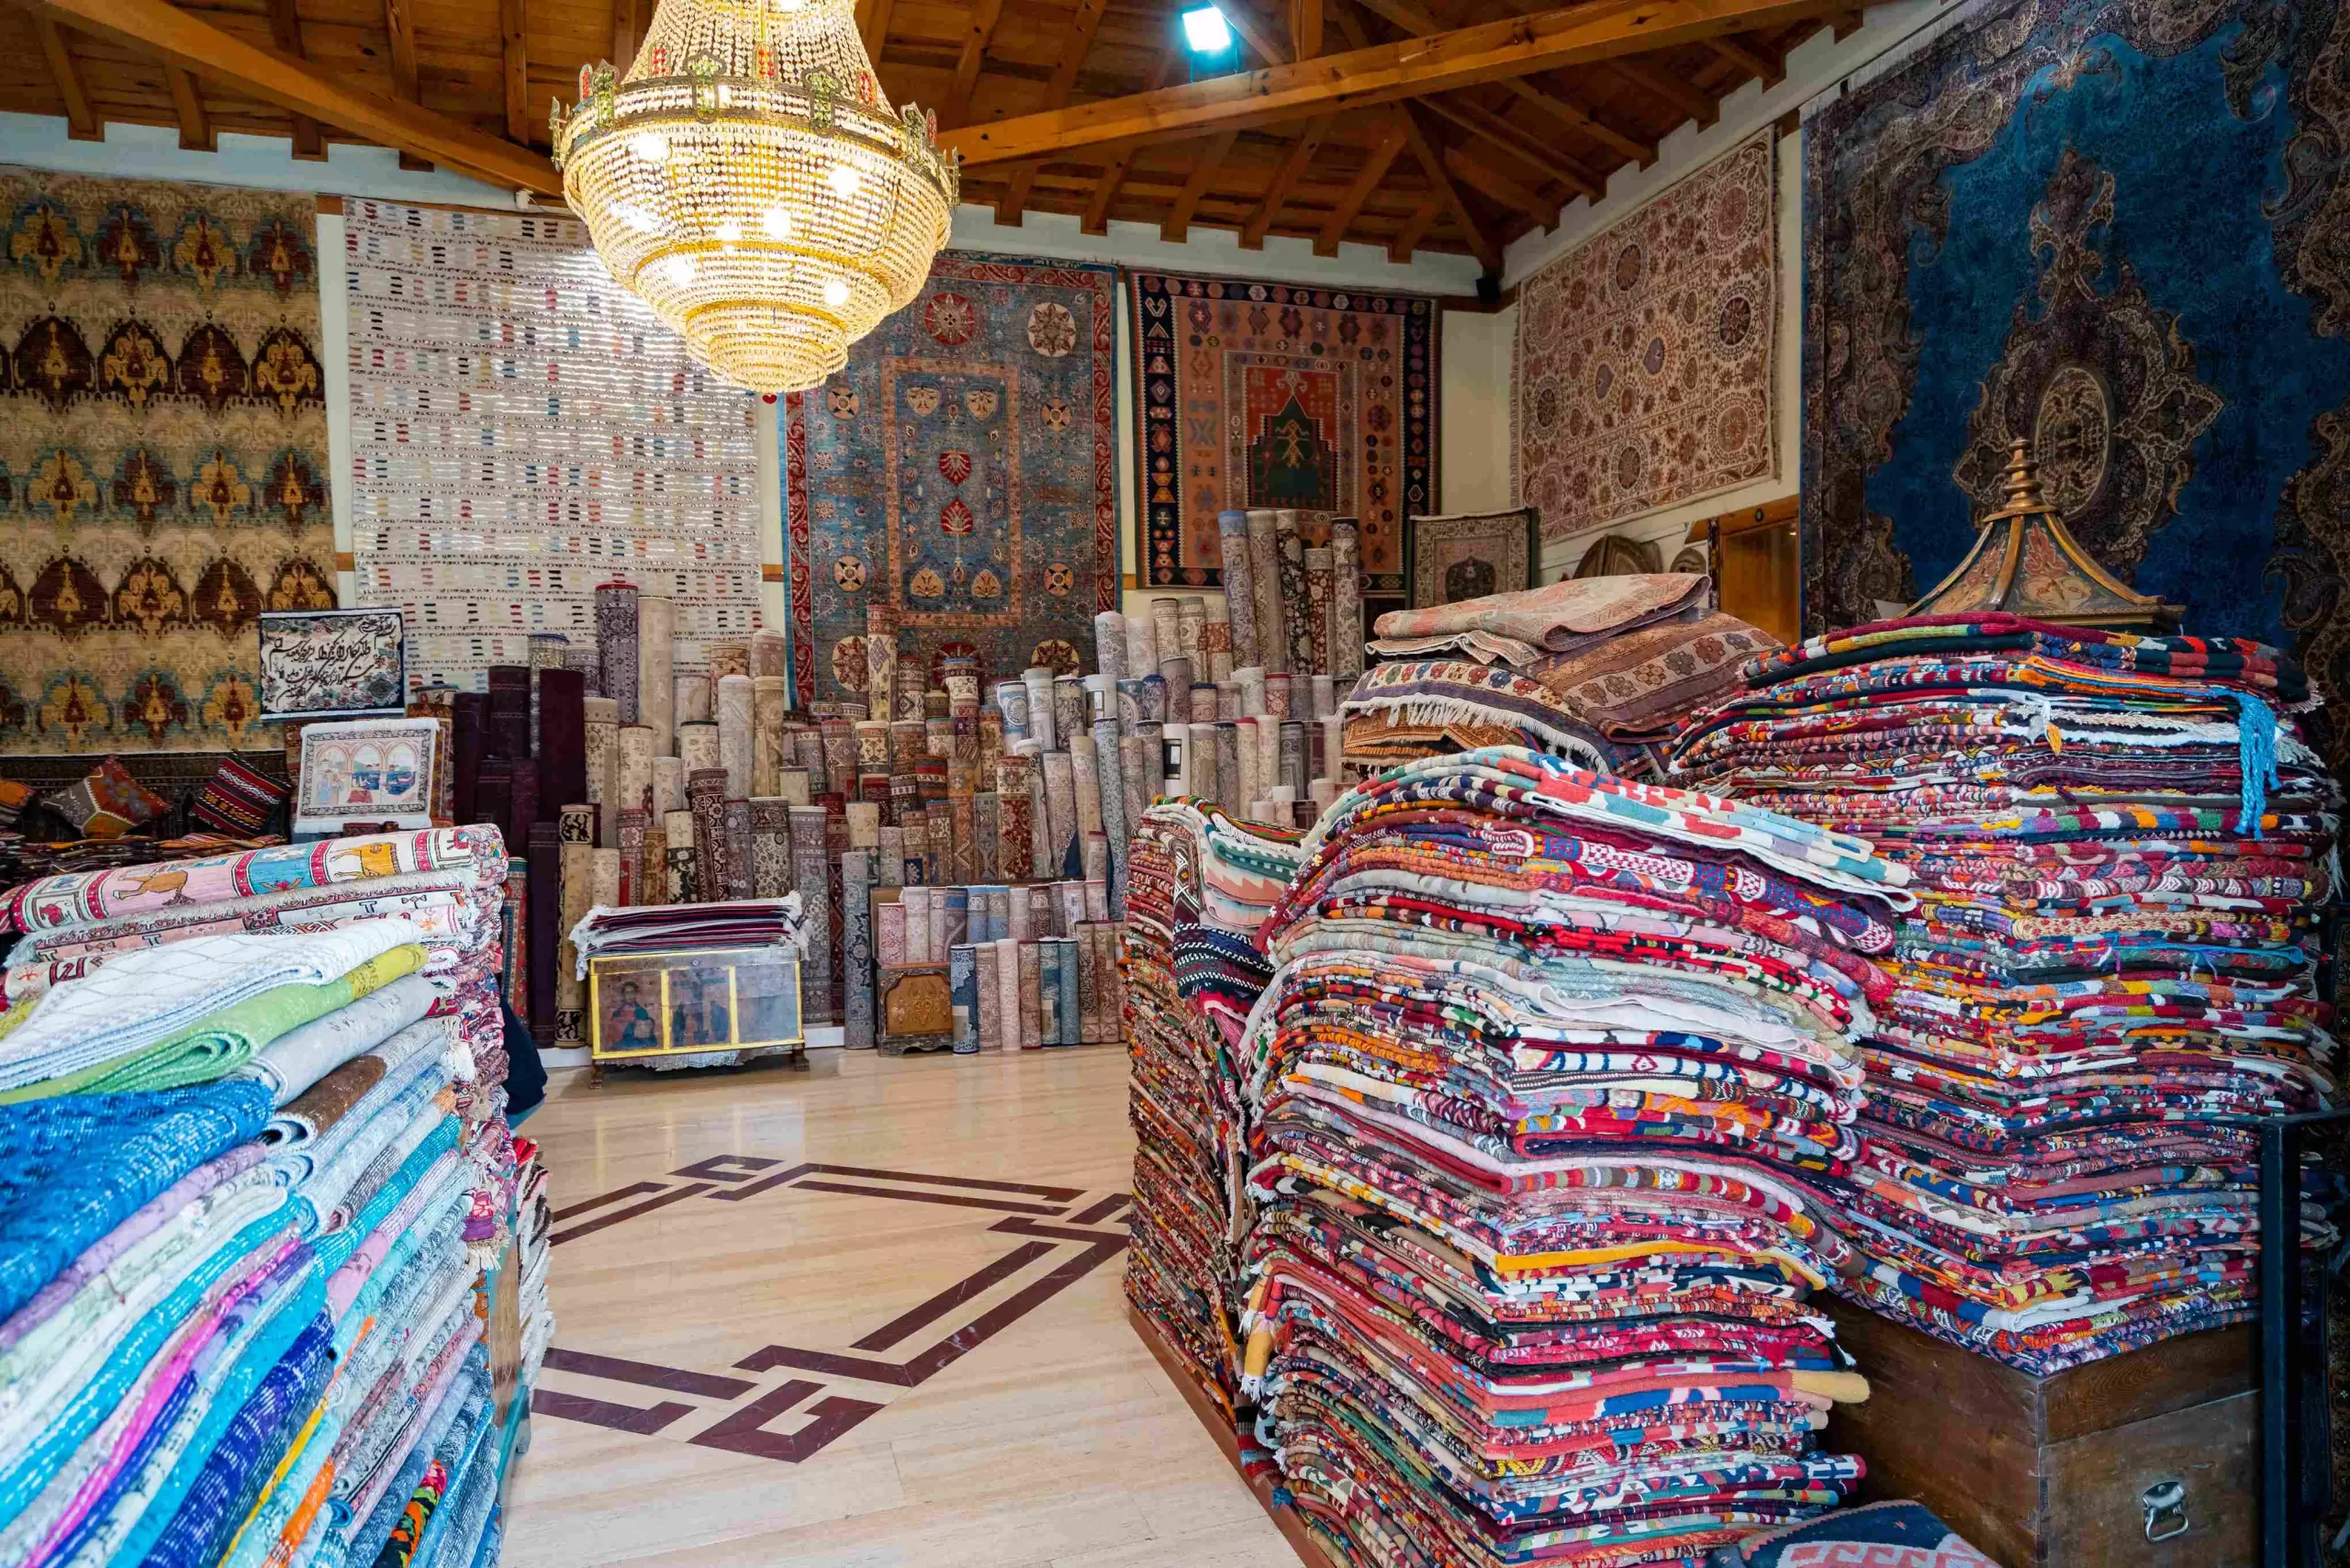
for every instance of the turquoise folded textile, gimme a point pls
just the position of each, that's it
(71, 1169)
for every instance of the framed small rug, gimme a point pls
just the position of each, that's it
(333, 664)
(1470, 554)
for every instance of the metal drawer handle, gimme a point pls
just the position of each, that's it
(2165, 1506)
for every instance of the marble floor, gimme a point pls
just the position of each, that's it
(858, 1314)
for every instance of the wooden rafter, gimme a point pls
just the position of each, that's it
(401, 26)
(81, 123)
(1489, 51)
(1267, 40)
(1481, 245)
(1575, 117)
(628, 32)
(1501, 187)
(1769, 70)
(189, 41)
(1087, 19)
(976, 35)
(1382, 154)
(1204, 168)
(1305, 28)
(514, 23)
(1292, 169)
(1654, 80)
(1418, 22)
(1416, 227)
(285, 32)
(1525, 149)
(187, 104)
(1106, 190)
(873, 26)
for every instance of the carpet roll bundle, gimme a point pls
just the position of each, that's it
(1199, 882)
(1544, 1057)
(2118, 849)
(249, 1182)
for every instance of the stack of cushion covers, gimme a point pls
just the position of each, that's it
(1524, 1244)
(251, 1165)
(1199, 882)
(2118, 846)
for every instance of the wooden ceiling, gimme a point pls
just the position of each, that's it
(1343, 124)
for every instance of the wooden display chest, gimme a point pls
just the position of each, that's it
(2054, 1472)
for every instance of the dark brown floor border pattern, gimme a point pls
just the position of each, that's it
(743, 1428)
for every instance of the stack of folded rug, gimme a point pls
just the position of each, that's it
(1595, 669)
(1198, 884)
(1542, 1060)
(239, 1323)
(2118, 849)
(534, 1232)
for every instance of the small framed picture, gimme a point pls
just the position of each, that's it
(678, 1003)
(366, 770)
(1469, 555)
(332, 663)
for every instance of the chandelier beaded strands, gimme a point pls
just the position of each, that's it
(747, 180)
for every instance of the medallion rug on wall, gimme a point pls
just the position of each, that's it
(962, 472)
(523, 429)
(1643, 363)
(1268, 394)
(2115, 227)
(162, 458)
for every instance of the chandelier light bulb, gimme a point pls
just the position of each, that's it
(749, 181)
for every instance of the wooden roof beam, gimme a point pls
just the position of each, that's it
(872, 25)
(1305, 28)
(1492, 127)
(980, 31)
(1502, 188)
(1416, 227)
(1574, 117)
(399, 26)
(1654, 80)
(1769, 70)
(1489, 51)
(1292, 169)
(514, 22)
(1481, 245)
(187, 105)
(1374, 169)
(81, 123)
(1265, 38)
(1087, 21)
(1204, 168)
(628, 32)
(189, 41)
(285, 32)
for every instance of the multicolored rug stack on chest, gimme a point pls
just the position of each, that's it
(254, 1171)
(1526, 1249)
(2118, 849)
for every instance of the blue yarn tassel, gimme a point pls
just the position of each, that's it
(2256, 757)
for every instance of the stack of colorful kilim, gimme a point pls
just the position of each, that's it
(2118, 849)
(1542, 1058)
(252, 1164)
(1198, 883)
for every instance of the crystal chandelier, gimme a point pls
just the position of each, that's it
(748, 181)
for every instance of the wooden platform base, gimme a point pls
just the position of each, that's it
(2052, 1471)
(1179, 1371)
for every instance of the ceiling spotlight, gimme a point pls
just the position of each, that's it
(1207, 31)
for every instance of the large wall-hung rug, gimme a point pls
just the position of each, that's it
(962, 471)
(1644, 365)
(1252, 395)
(162, 458)
(2116, 228)
(521, 430)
